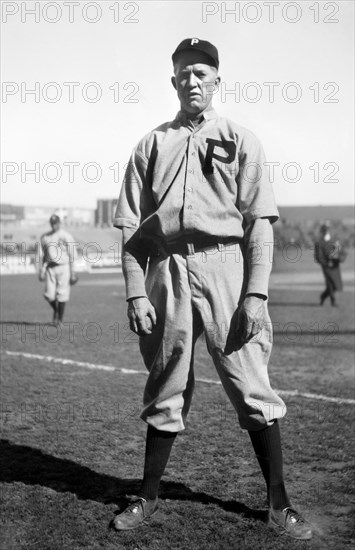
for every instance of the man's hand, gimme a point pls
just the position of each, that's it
(73, 278)
(42, 274)
(251, 318)
(141, 315)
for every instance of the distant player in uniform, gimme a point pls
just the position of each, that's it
(57, 268)
(329, 253)
(196, 209)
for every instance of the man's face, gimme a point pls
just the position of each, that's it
(195, 81)
(55, 226)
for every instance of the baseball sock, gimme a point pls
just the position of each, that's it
(53, 305)
(267, 447)
(61, 307)
(157, 452)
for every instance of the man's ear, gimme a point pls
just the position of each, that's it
(173, 81)
(217, 81)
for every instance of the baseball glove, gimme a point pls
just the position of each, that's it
(73, 279)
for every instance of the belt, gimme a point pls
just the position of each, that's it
(191, 248)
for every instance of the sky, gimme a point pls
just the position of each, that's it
(100, 74)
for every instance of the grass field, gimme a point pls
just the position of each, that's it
(72, 443)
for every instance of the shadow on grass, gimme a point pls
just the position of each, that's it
(19, 463)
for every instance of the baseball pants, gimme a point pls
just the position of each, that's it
(200, 293)
(57, 283)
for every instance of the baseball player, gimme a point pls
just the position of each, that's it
(329, 253)
(57, 269)
(196, 210)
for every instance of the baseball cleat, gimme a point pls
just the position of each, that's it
(291, 522)
(135, 514)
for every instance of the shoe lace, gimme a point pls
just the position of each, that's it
(134, 506)
(293, 516)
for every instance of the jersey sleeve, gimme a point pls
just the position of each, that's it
(255, 193)
(129, 208)
(42, 251)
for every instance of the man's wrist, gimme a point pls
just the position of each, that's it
(131, 298)
(256, 295)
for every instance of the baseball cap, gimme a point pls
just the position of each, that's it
(54, 219)
(199, 45)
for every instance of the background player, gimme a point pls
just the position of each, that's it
(57, 269)
(329, 253)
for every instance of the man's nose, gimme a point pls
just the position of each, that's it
(191, 80)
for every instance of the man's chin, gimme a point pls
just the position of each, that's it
(194, 107)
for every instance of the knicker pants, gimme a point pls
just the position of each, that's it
(57, 283)
(191, 294)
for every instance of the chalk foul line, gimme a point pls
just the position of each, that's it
(50, 359)
(110, 368)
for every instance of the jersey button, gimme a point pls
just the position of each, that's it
(189, 189)
(191, 171)
(189, 207)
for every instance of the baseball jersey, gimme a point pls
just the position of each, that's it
(58, 247)
(192, 181)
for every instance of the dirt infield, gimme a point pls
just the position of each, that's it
(72, 441)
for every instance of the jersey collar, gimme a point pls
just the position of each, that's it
(182, 118)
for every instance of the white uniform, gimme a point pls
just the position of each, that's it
(59, 253)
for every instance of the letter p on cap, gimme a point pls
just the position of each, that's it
(194, 41)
